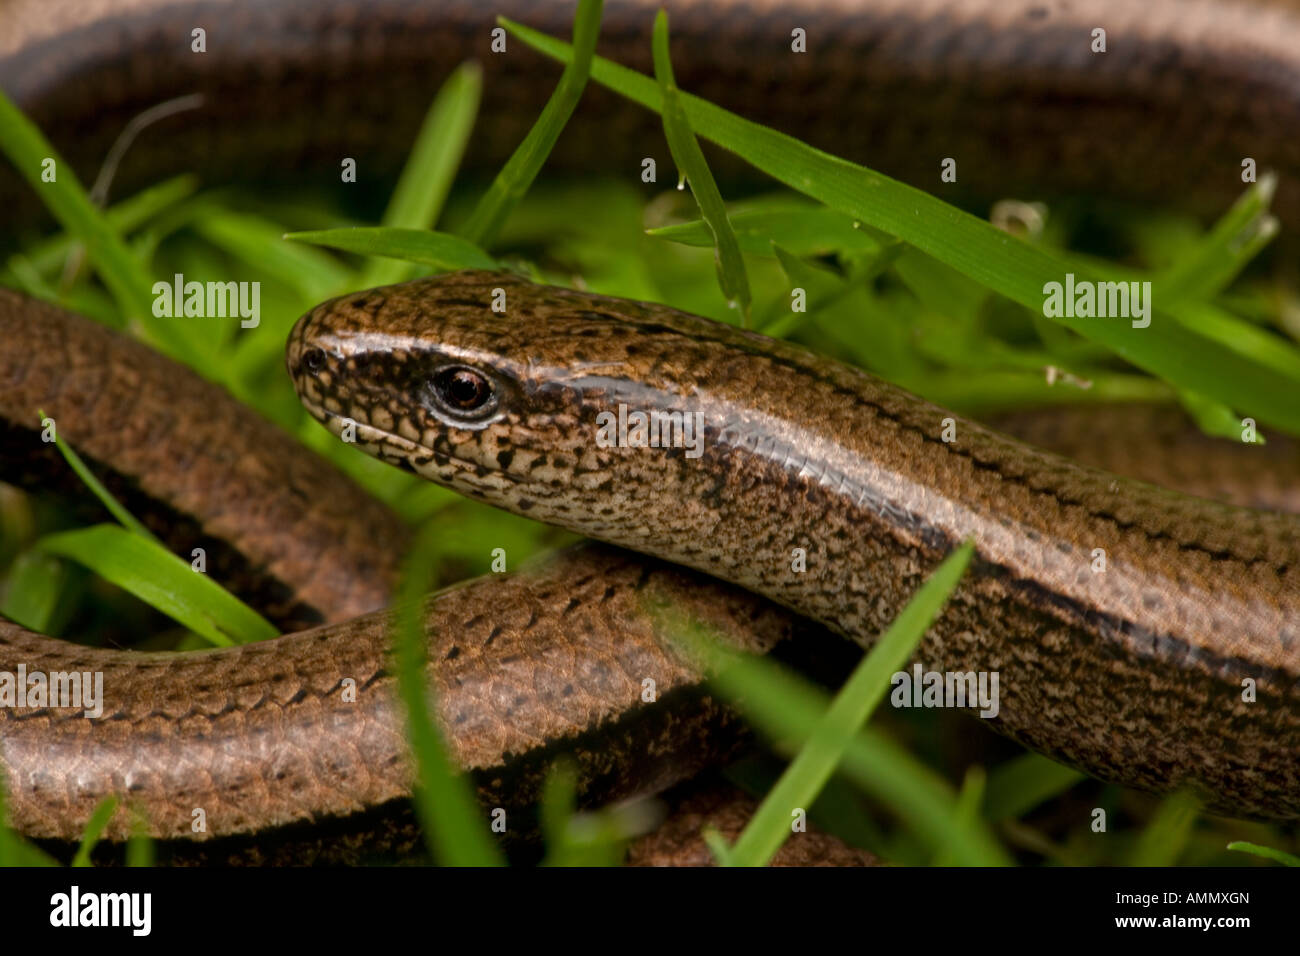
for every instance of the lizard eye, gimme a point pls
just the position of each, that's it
(313, 360)
(462, 390)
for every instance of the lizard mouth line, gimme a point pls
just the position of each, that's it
(400, 448)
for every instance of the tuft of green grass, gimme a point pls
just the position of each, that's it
(132, 558)
(854, 704)
(695, 171)
(1238, 236)
(130, 214)
(430, 169)
(65, 197)
(455, 831)
(522, 168)
(784, 706)
(1171, 347)
(149, 571)
(439, 250)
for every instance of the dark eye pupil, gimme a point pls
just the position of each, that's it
(313, 360)
(463, 388)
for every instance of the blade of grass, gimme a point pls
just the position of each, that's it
(787, 707)
(144, 568)
(139, 845)
(718, 846)
(802, 231)
(1236, 238)
(99, 818)
(454, 829)
(1009, 266)
(441, 250)
(690, 161)
(48, 255)
(114, 507)
(14, 850)
(969, 799)
(854, 704)
(28, 149)
(1213, 418)
(825, 290)
(1267, 852)
(1025, 782)
(258, 242)
(522, 167)
(34, 588)
(784, 706)
(580, 839)
(1166, 833)
(431, 166)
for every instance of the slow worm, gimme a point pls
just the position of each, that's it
(1134, 674)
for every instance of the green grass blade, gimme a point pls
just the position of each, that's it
(454, 829)
(99, 818)
(14, 850)
(33, 590)
(856, 701)
(1025, 782)
(690, 160)
(969, 799)
(802, 231)
(139, 845)
(580, 839)
(259, 243)
(1166, 834)
(431, 166)
(521, 169)
(28, 149)
(1267, 852)
(1009, 266)
(114, 507)
(1236, 238)
(557, 808)
(718, 846)
(440, 250)
(144, 568)
(787, 707)
(47, 256)
(1213, 418)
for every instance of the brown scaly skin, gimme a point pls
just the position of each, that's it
(1008, 88)
(525, 667)
(1134, 674)
(1149, 443)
